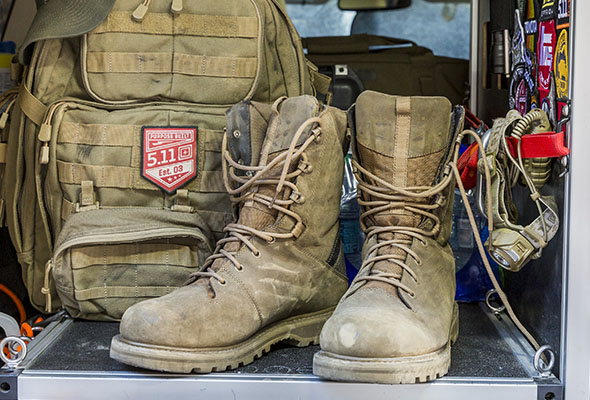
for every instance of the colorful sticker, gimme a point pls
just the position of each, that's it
(518, 49)
(547, 10)
(531, 27)
(561, 65)
(545, 47)
(521, 87)
(548, 104)
(522, 98)
(169, 156)
(563, 14)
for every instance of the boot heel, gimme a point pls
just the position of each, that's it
(455, 324)
(305, 331)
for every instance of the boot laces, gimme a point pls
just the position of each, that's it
(386, 197)
(248, 191)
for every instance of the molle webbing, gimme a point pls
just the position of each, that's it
(166, 63)
(183, 24)
(121, 135)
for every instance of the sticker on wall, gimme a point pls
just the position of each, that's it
(545, 47)
(169, 156)
(561, 65)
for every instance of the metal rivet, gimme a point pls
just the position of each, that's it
(237, 133)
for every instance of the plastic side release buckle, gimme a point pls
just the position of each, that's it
(540, 145)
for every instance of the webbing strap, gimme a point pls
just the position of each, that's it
(183, 24)
(31, 106)
(122, 291)
(216, 220)
(128, 177)
(87, 196)
(321, 82)
(138, 253)
(121, 135)
(67, 208)
(167, 63)
(3, 147)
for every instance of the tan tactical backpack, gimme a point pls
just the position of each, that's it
(112, 183)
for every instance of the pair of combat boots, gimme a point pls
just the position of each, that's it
(279, 273)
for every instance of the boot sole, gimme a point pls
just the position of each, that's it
(413, 369)
(299, 331)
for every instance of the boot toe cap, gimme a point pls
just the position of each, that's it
(360, 328)
(189, 318)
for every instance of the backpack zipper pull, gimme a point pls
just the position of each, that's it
(176, 7)
(141, 11)
(45, 133)
(45, 289)
(6, 113)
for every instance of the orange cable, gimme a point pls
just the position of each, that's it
(16, 300)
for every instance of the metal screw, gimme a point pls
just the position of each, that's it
(565, 111)
(237, 133)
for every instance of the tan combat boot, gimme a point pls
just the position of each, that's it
(279, 272)
(397, 321)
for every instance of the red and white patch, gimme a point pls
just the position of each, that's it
(169, 156)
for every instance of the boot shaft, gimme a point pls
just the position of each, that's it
(406, 142)
(257, 134)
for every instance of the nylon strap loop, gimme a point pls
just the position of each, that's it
(31, 106)
(87, 196)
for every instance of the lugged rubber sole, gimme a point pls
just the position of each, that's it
(414, 369)
(300, 331)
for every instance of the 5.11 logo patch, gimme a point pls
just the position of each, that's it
(169, 156)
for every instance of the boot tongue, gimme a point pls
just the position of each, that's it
(401, 140)
(281, 131)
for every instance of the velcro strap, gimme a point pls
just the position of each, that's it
(129, 178)
(31, 106)
(3, 147)
(183, 24)
(166, 63)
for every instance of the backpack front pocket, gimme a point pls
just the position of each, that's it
(106, 260)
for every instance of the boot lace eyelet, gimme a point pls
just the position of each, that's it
(256, 255)
(423, 243)
(240, 268)
(412, 295)
(222, 283)
(418, 262)
(271, 241)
